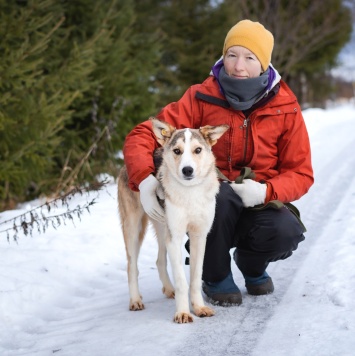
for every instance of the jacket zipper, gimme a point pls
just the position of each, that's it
(244, 127)
(245, 136)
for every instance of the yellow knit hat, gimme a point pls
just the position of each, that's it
(255, 37)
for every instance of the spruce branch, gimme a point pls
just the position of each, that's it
(39, 218)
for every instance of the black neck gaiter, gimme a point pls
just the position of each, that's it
(241, 94)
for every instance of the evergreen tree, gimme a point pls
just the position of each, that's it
(70, 72)
(192, 34)
(118, 96)
(32, 109)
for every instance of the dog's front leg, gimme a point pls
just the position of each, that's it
(173, 244)
(197, 252)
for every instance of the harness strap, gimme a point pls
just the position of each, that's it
(245, 173)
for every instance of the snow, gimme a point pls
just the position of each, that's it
(65, 292)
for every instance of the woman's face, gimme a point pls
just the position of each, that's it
(240, 63)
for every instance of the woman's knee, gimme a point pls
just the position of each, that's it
(272, 230)
(287, 230)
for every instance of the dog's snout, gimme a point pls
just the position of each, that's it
(187, 171)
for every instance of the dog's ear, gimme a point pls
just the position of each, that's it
(212, 133)
(162, 130)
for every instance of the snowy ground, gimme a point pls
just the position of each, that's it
(65, 292)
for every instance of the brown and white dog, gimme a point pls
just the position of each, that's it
(189, 181)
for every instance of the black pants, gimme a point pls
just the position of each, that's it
(260, 237)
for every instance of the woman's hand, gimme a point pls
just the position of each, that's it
(251, 192)
(149, 189)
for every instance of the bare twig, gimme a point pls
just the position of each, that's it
(38, 218)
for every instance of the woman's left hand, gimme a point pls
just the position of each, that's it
(251, 192)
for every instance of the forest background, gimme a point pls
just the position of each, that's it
(77, 75)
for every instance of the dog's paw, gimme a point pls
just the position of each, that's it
(204, 311)
(169, 292)
(136, 305)
(183, 318)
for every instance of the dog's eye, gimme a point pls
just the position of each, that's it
(198, 150)
(177, 151)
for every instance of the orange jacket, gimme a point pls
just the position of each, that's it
(273, 141)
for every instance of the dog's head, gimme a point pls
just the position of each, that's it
(187, 152)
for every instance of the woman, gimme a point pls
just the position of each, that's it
(267, 134)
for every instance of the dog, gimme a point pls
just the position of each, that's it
(190, 184)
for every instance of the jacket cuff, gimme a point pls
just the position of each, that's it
(138, 178)
(269, 192)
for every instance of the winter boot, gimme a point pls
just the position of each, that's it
(224, 293)
(259, 285)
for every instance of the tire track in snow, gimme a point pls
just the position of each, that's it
(325, 279)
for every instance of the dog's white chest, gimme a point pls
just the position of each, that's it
(192, 204)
